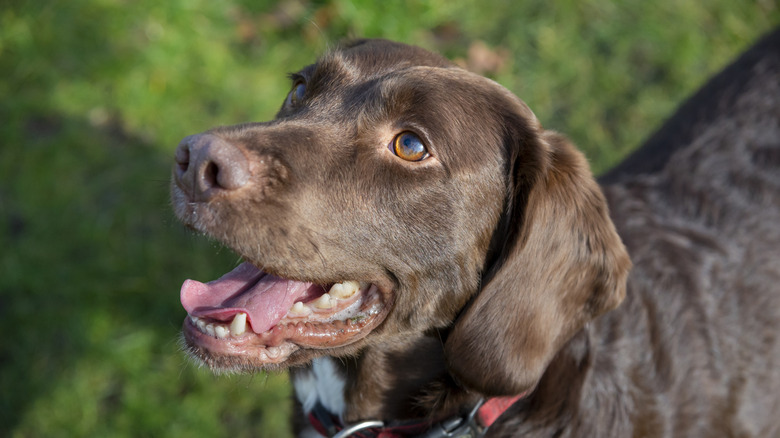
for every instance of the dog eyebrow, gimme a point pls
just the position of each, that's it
(294, 76)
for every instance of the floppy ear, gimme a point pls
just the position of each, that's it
(560, 264)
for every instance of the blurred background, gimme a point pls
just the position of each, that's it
(95, 95)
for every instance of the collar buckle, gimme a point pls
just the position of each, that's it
(459, 427)
(357, 427)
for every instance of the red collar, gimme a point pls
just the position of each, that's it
(474, 424)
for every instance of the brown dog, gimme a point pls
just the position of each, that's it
(469, 256)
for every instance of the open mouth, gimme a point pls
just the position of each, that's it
(253, 318)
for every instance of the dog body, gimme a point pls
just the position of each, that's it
(488, 259)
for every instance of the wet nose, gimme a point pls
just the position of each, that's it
(207, 166)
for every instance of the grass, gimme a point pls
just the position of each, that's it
(94, 96)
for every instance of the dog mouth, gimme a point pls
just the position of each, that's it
(249, 318)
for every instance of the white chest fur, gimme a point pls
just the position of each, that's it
(322, 383)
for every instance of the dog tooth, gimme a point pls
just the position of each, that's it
(238, 326)
(323, 302)
(201, 324)
(221, 331)
(299, 309)
(210, 330)
(344, 290)
(273, 352)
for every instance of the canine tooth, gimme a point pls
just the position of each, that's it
(344, 290)
(238, 326)
(323, 302)
(298, 309)
(221, 331)
(210, 329)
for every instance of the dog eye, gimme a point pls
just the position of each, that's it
(409, 147)
(297, 93)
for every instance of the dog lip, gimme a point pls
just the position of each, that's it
(222, 354)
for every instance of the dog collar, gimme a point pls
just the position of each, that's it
(473, 425)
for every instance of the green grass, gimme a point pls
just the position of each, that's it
(94, 96)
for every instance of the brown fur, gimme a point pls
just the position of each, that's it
(502, 254)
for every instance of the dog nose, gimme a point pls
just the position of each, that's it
(207, 166)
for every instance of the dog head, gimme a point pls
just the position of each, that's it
(423, 197)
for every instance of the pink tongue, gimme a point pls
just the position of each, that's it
(264, 298)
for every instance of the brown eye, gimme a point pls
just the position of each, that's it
(409, 147)
(297, 93)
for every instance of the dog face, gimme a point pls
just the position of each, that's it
(422, 197)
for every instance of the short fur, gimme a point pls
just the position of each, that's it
(506, 259)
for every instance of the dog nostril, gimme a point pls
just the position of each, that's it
(182, 157)
(210, 175)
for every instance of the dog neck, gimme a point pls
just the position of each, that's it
(402, 382)
(322, 384)
(410, 382)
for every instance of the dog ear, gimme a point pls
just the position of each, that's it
(557, 264)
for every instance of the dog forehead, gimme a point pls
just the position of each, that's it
(377, 56)
(365, 62)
